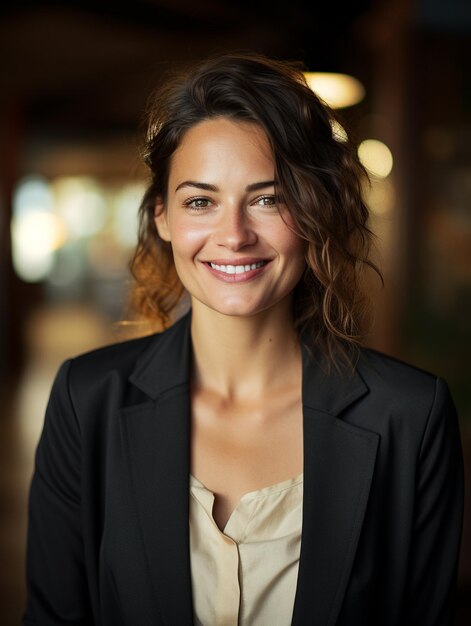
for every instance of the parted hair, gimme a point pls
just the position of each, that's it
(318, 176)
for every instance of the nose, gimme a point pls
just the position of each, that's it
(234, 229)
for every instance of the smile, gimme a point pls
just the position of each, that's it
(237, 269)
(236, 273)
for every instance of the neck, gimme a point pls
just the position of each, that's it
(240, 357)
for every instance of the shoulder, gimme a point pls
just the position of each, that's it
(391, 377)
(91, 383)
(99, 377)
(386, 364)
(404, 397)
(132, 371)
(117, 357)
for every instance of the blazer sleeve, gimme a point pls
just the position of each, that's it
(55, 569)
(431, 592)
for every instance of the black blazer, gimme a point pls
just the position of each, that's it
(108, 540)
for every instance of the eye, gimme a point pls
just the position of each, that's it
(267, 201)
(197, 203)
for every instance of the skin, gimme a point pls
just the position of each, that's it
(246, 409)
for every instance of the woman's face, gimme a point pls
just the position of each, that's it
(234, 248)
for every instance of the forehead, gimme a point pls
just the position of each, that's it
(223, 147)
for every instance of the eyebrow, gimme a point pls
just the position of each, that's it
(207, 187)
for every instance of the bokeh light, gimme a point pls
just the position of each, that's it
(126, 203)
(376, 157)
(81, 204)
(36, 231)
(336, 90)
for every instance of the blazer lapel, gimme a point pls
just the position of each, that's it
(157, 435)
(339, 463)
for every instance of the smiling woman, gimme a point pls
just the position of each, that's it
(253, 463)
(316, 181)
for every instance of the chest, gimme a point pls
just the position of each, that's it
(236, 449)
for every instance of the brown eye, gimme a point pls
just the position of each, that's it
(266, 201)
(198, 203)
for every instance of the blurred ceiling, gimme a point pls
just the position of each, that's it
(75, 67)
(79, 73)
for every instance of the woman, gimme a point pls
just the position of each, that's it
(251, 464)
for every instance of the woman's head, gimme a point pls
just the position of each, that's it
(317, 177)
(234, 245)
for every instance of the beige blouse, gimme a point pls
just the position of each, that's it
(247, 574)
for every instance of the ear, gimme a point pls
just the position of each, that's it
(160, 219)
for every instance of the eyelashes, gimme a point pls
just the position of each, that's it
(199, 203)
(267, 200)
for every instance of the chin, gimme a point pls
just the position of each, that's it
(237, 308)
(237, 311)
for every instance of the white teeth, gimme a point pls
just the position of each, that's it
(237, 269)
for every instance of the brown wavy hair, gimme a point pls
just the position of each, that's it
(318, 177)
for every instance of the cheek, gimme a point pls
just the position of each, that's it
(287, 239)
(290, 243)
(187, 238)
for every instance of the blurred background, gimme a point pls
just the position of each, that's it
(74, 81)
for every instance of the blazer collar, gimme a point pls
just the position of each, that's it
(166, 364)
(339, 460)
